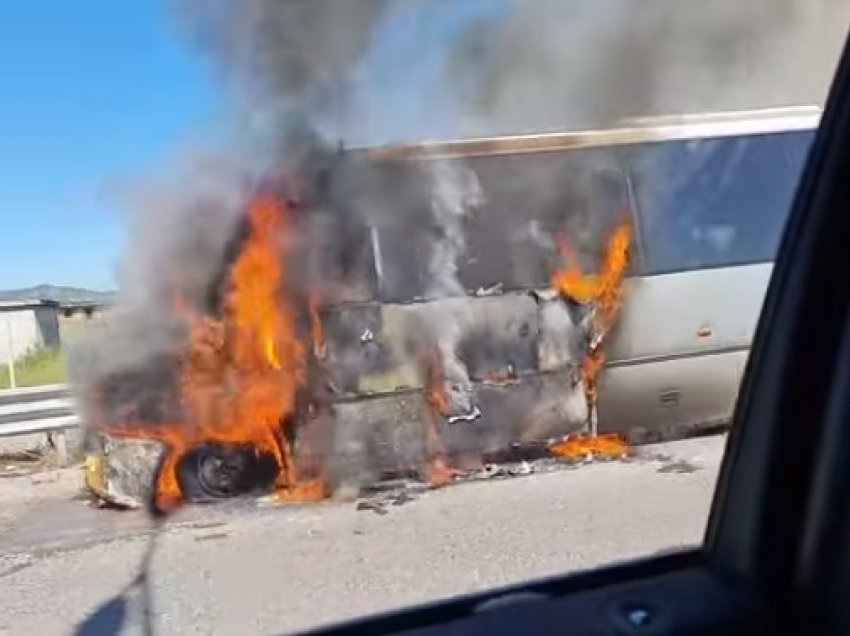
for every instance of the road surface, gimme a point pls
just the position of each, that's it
(245, 569)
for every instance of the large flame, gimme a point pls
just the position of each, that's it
(605, 289)
(603, 292)
(240, 373)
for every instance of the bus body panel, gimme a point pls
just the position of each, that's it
(670, 398)
(677, 358)
(687, 313)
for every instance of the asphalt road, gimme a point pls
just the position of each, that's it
(247, 569)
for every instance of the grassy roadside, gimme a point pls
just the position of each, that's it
(43, 366)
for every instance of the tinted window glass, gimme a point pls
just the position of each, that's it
(712, 202)
(508, 237)
(532, 198)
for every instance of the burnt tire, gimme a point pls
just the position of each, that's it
(215, 471)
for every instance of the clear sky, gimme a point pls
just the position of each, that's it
(92, 92)
(98, 93)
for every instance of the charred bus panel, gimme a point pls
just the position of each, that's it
(708, 195)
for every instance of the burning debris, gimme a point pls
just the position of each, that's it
(582, 447)
(438, 406)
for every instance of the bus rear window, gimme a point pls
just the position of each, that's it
(715, 202)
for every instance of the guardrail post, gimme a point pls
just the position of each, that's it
(60, 445)
(11, 349)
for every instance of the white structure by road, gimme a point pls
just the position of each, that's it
(26, 325)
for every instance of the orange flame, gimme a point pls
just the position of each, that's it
(604, 291)
(591, 367)
(610, 445)
(240, 374)
(436, 396)
(439, 472)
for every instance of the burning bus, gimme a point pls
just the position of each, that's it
(422, 310)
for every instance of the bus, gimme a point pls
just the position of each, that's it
(709, 195)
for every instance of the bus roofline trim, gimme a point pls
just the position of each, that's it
(635, 131)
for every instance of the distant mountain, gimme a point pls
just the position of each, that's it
(59, 293)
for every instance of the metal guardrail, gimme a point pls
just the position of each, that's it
(42, 409)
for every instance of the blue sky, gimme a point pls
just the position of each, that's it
(98, 93)
(94, 92)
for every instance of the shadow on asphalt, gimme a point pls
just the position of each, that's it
(111, 616)
(107, 619)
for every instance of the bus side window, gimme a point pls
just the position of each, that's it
(530, 199)
(612, 205)
(715, 202)
(587, 221)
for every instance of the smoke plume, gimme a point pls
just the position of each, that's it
(456, 193)
(181, 232)
(288, 64)
(554, 65)
(291, 63)
(293, 67)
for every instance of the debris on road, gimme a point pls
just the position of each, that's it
(19, 461)
(375, 506)
(679, 466)
(474, 414)
(120, 473)
(494, 471)
(402, 498)
(400, 493)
